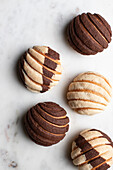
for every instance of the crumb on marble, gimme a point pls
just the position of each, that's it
(13, 164)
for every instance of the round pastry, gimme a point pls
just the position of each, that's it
(89, 33)
(92, 150)
(40, 68)
(46, 123)
(89, 93)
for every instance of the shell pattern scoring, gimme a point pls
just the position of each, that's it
(40, 68)
(46, 123)
(89, 33)
(92, 150)
(89, 93)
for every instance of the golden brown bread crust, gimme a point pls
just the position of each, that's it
(89, 33)
(46, 123)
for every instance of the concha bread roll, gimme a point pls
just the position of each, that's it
(89, 33)
(46, 123)
(92, 150)
(89, 93)
(40, 68)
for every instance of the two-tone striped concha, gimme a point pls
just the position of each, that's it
(40, 68)
(89, 93)
(46, 123)
(89, 33)
(92, 150)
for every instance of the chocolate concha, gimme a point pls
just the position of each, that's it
(89, 93)
(92, 150)
(46, 123)
(40, 68)
(89, 33)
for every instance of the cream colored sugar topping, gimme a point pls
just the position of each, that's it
(42, 49)
(89, 93)
(96, 78)
(92, 149)
(94, 143)
(41, 58)
(36, 76)
(40, 71)
(31, 84)
(100, 149)
(89, 167)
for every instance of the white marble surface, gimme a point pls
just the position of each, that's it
(24, 23)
